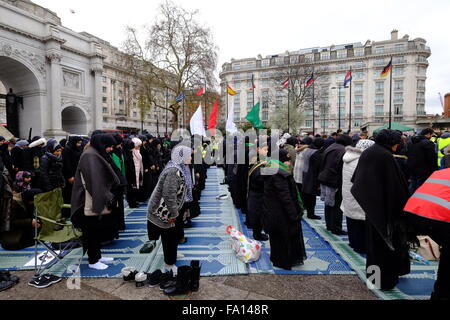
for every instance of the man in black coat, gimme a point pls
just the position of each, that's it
(70, 156)
(422, 159)
(381, 190)
(330, 179)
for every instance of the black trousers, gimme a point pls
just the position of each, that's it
(309, 202)
(357, 235)
(132, 197)
(93, 232)
(169, 240)
(255, 209)
(333, 215)
(439, 232)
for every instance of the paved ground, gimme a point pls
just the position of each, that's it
(251, 287)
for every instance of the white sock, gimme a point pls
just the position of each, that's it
(106, 259)
(173, 267)
(98, 266)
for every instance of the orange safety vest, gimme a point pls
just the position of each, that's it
(432, 199)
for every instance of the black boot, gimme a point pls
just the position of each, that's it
(195, 275)
(183, 280)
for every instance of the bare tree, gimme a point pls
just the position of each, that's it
(178, 54)
(300, 95)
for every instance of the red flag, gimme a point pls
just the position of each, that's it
(213, 120)
(285, 84)
(199, 92)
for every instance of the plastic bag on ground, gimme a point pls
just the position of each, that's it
(247, 250)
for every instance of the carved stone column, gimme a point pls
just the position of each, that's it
(54, 112)
(97, 107)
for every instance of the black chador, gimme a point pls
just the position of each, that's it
(382, 192)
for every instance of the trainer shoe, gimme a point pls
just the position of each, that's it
(5, 285)
(129, 274)
(40, 282)
(52, 278)
(167, 280)
(141, 279)
(148, 247)
(154, 279)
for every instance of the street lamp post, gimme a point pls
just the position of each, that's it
(339, 102)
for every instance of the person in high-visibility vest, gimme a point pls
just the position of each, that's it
(428, 210)
(442, 144)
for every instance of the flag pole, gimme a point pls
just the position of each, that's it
(167, 98)
(289, 98)
(314, 108)
(184, 115)
(390, 96)
(350, 110)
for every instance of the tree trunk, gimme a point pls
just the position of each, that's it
(174, 120)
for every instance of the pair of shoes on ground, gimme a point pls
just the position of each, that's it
(100, 265)
(131, 274)
(148, 247)
(44, 281)
(7, 280)
(187, 280)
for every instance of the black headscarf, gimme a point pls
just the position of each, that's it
(388, 138)
(102, 141)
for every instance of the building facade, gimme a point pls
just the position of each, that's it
(70, 82)
(370, 92)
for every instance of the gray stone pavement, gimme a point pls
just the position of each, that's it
(250, 287)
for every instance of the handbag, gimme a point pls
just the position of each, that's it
(88, 203)
(428, 249)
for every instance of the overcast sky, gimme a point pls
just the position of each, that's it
(246, 28)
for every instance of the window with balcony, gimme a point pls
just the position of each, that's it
(420, 96)
(342, 66)
(398, 97)
(357, 123)
(236, 66)
(379, 50)
(341, 54)
(398, 85)
(379, 110)
(265, 116)
(236, 76)
(237, 85)
(250, 65)
(105, 110)
(325, 56)
(265, 105)
(359, 75)
(421, 109)
(279, 61)
(379, 98)
(397, 60)
(265, 83)
(358, 111)
(422, 70)
(359, 65)
(250, 96)
(104, 99)
(265, 63)
(421, 84)
(359, 52)
(308, 123)
(398, 109)
(103, 79)
(398, 71)
(104, 90)
(358, 87)
(399, 47)
(341, 100)
(309, 58)
(379, 86)
(380, 62)
(358, 99)
(237, 116)
(421, 59)
(293, 59)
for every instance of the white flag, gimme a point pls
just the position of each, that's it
(197, 126)
(231, 127)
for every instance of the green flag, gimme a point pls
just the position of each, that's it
(253, 117)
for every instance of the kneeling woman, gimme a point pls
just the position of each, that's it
(168, 204)
(282, 213)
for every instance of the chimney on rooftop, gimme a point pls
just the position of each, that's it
(394, 34)
(447, 105)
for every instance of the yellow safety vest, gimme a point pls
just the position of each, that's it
(442, 143)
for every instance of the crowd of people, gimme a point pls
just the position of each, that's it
(367, 180)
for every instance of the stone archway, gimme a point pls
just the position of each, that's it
(74, 121)
(24, 82)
